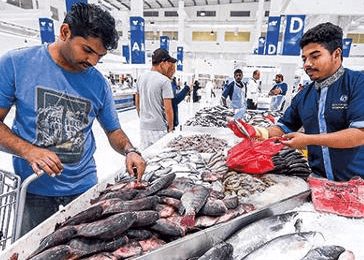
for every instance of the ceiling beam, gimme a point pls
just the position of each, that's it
(207, 3)
(113, 5)
(126, 6)
(145, 2)
(160, 5)
(194, 2)
(172, 5)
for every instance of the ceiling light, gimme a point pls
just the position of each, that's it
(202, 13)
(212, 33)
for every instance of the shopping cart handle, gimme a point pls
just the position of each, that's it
(22, 197)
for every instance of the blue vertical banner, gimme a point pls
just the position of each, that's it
(346, 46)
(137, 44)
(46, 28)
(164, 42)
(292, 35)
(274, 24)
(180, 58)
(126, 53)
(261, 44)
(69, 3)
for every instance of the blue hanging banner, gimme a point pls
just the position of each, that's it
(137, 40)
(126, 53)
(294, 29)
(46, 28)
(164, 42)
(261, 45)
(346, 46)
(69, 3)
(274, 24)
(180, 58)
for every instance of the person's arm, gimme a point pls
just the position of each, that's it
(137, 103)
(121, 143)
(169, 113)
(40, 159)
(181, 95)
(346, 138)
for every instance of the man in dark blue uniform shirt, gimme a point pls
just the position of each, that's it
(330, 109)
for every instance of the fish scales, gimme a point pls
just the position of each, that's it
(191, 203)
(170, 192)
(109, 228)
(213, 207)
(157, 185)
(324, 253)
(127, 194)
(138, 234)
(145, 218)
(58, 237)
(87, 246)
(168, 227)
(144, 203)
(221, 251)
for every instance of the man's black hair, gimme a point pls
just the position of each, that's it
(238, 71)
(89, 20)
(328, 35)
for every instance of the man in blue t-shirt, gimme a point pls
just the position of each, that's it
(278, 92)
(329, 109)
(57, 94)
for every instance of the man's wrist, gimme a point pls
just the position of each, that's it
(131, 150)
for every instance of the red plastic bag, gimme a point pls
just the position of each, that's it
(251, 156)
(341, 198)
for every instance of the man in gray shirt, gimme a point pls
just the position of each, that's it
(153, 99)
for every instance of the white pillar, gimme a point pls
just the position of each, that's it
(181, 22)
(288, 71)
(258, 28)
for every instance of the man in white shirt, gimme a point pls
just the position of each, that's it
(253, 90)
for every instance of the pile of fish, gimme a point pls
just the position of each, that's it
(210, 117)
(202, 143)
(284, 236)
(129, 219)
(262, 118)
(290, 162)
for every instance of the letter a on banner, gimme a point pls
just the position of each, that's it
(46, 28)
(69, 3)
(274, 24)
(180, 58)
(346, 47)
(293, 33)
(137, 40)
(164, 43)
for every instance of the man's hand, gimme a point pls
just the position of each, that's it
(296, 140)
(135, 165)
(41, 159)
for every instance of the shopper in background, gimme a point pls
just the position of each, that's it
(180, 95)
(57, 94)
(153, 98)
(195, 88)
(253, 90)
(236, 91)
(329, 108)
(278, 93)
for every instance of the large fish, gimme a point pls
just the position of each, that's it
(157, 185)
(191, 203)
(221, 251)
(109, 228)
(60, 252)
(292, 246)
(324, 253)
(260, 232)
(145, 203)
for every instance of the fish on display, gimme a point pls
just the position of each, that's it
(292, 246)
(324, 253)
(210, 117)
(221, 251)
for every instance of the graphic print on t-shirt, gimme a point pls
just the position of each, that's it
(61, 119)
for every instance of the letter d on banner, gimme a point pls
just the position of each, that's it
(274, 24)
(179, 58)
(46, 28)
(137, 40)
(293, 33)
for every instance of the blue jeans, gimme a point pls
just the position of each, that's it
(38, 208)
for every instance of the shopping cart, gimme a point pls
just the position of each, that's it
(12, 200)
